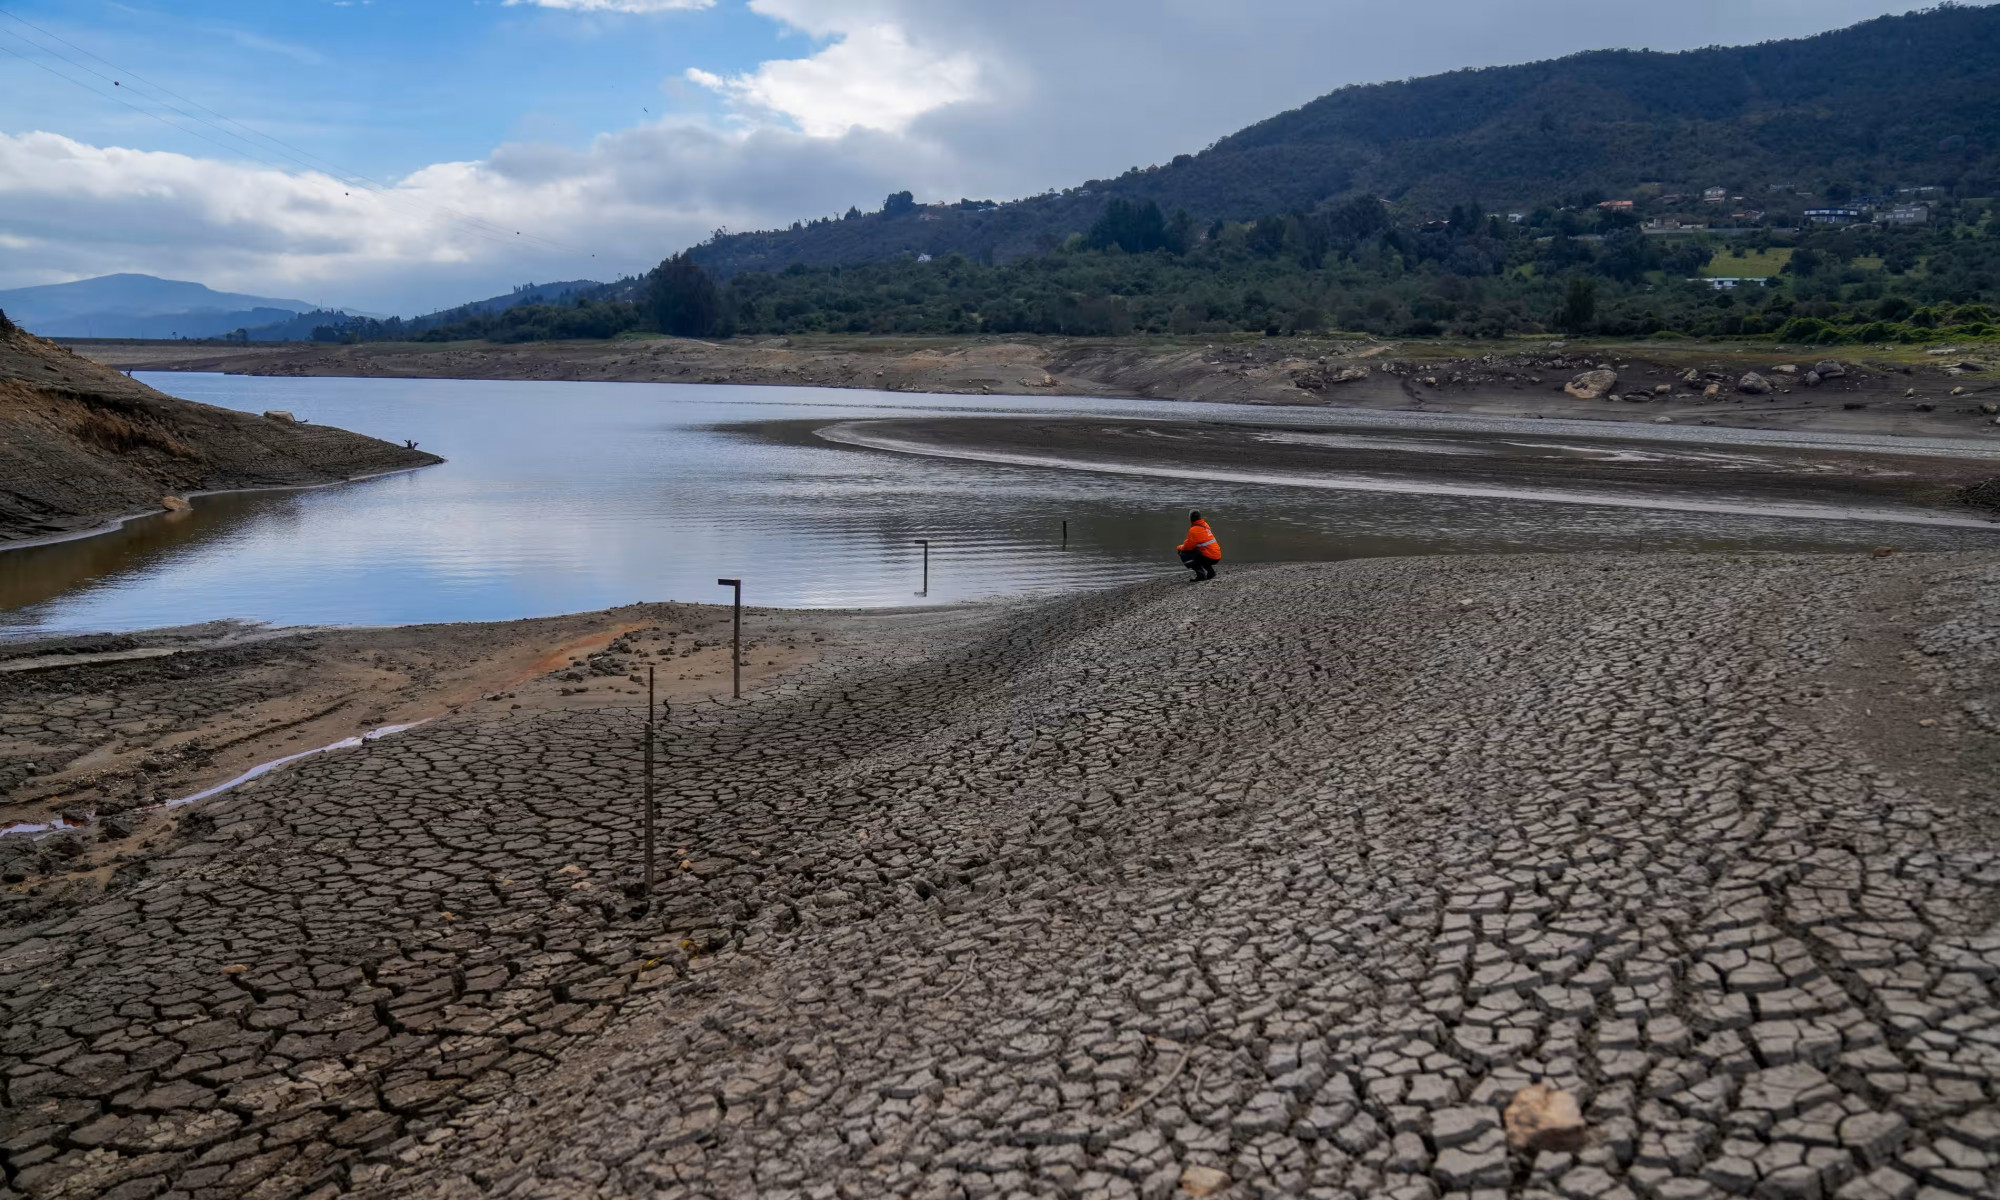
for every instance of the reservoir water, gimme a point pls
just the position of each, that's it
(566, 497)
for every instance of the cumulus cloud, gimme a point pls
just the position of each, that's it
(872, 76)
(440, 235)
(947, 98)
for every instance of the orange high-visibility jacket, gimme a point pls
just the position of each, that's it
(1201, 539)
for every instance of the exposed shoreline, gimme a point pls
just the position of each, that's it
(312, 685)
(1456, 822)
(1570, 464)
(1902, 392)
(84, 448)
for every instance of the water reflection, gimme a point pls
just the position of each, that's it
(561, 497)
(33, 574)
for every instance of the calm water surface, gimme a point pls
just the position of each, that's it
(565, 497)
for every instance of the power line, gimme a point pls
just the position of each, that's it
(476, 225)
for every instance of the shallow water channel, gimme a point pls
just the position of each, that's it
(565, 497)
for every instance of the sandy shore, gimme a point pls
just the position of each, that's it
(1905, 391)
(1281, 885)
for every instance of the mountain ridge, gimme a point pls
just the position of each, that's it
(1895, 99)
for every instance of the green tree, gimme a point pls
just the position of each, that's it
(681, 299)
(1132, 227)
(1579, 307)
(898, 204)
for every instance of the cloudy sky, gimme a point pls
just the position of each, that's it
(403, 155)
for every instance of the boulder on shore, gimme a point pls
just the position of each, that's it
(1592, 385)
(1829, 369)
(1541, 1118)
(279, 414)
(1753, 384)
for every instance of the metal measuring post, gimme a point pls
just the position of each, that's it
(927, 567)
(649, 780)
(736, 650)
(1065, 535)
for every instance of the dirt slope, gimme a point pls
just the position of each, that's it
(81, 444)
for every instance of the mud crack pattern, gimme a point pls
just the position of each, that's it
(1278, 886)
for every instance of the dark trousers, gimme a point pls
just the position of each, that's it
(1202, 565)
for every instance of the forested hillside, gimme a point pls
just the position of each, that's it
(1349, 269)
(1838, 189)
(1911, 101)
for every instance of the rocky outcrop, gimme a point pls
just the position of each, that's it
(82, 445)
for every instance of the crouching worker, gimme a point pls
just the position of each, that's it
(1200, 552)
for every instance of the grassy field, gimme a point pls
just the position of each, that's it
(1753, 264)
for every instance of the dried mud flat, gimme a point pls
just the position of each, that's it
(113, 724)
(1283, 885)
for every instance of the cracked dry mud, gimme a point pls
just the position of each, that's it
(1278, 886)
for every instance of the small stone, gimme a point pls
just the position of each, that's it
(1203, 1181)
(175, 504)
(235, 969)
(1541, 1117)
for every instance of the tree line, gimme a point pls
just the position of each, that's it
(1351, 268)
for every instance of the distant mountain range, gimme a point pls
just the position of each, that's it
(146, 307)
(141, 306)
(1900, 100)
